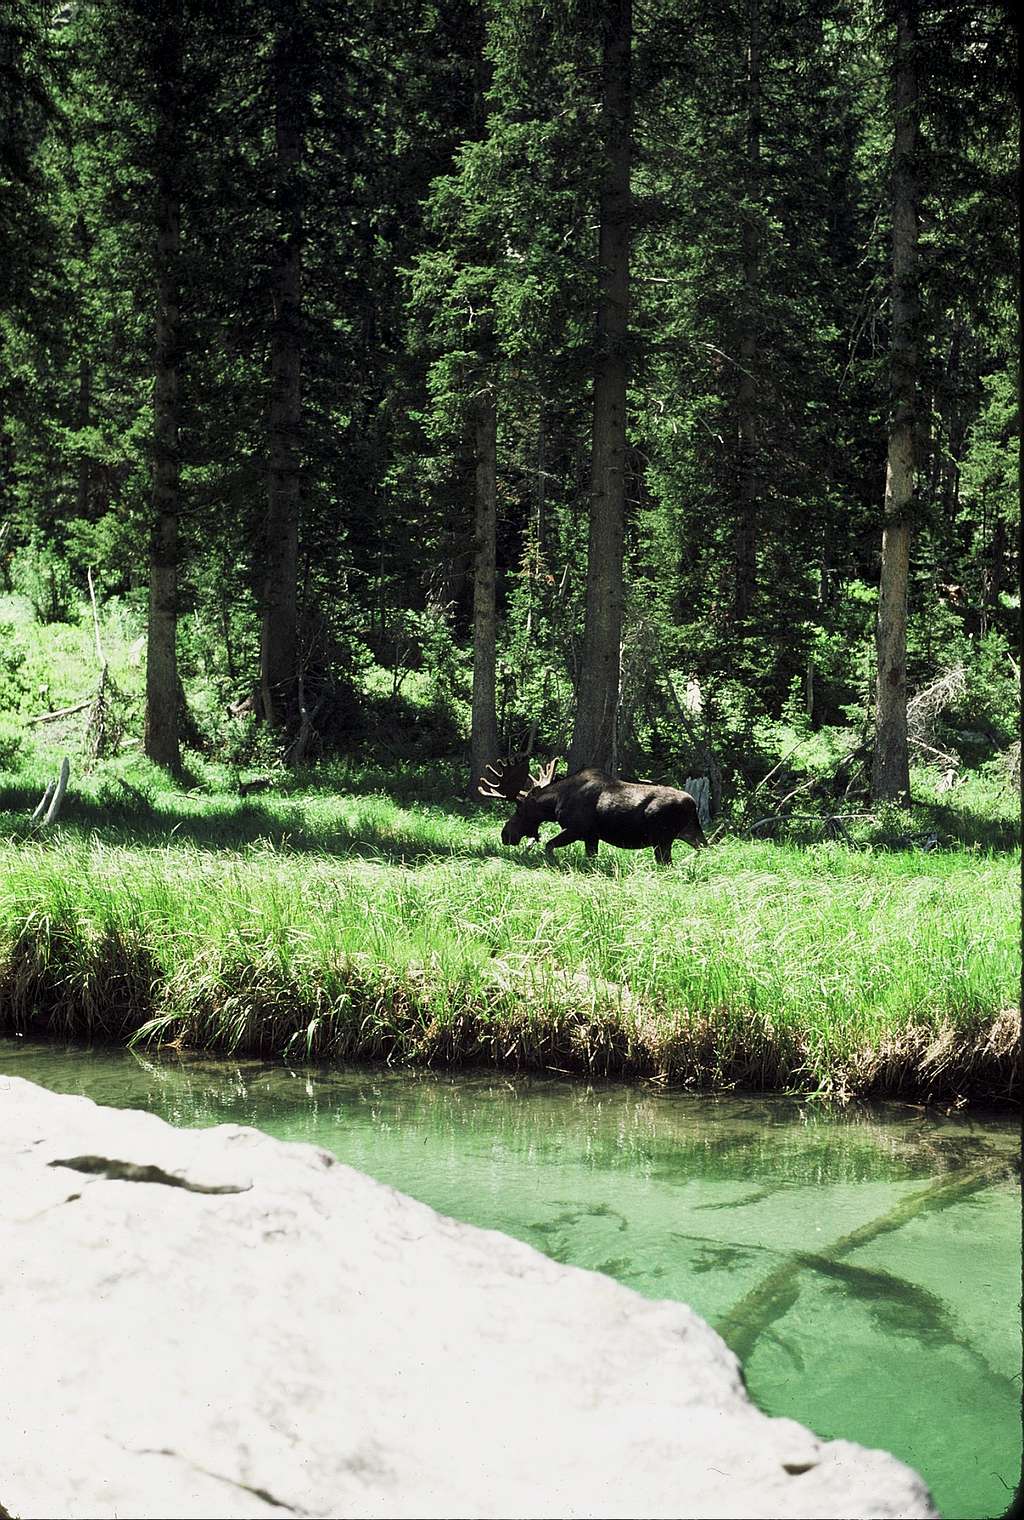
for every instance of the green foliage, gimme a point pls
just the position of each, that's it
(991, 701)
(13, 685)
(12, 739)
(445, 662)
(449, 198)
(243, 744)
(42, 575)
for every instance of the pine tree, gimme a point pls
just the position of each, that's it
(290, 87)
(595, 739)
(747, 513)
(890, 777)
(161, 729)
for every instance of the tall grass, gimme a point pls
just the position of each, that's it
(352, 926)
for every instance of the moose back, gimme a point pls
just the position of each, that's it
(590, 805)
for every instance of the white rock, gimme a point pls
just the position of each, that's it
(299, 1339)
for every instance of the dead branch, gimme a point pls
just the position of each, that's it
(58, 796)
(803, 786)
(62, 712)
(100, 656)
(96, 729)
(940, 754)
(44, 801)
(926, 706)
(777, 766)
(51, 800)
(296, 751)
(832, 822)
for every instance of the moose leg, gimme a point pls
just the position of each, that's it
(565, 837)
(590, 844)
(663, 853)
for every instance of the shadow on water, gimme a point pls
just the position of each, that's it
(572, 1217)
(897, 1306)
(715, 1257)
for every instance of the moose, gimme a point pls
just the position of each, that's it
(591, 805)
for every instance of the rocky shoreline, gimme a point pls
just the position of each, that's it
(216, 1323)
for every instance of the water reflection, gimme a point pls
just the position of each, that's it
(836, 1250)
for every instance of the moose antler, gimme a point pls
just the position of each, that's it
(511, 779)
(505, 778)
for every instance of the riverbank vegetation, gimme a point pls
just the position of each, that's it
(343, 918)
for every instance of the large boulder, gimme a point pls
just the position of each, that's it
(212, 1322)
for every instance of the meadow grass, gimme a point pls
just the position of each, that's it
(361, 924)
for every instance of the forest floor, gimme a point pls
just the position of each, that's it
(347, 918)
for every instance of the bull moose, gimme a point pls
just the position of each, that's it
(591, 805)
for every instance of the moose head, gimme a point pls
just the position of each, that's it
(511, 779)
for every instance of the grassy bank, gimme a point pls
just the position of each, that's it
(329, 926)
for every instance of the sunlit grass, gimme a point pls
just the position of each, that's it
(359, 925)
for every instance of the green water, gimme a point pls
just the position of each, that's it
(865, 1264)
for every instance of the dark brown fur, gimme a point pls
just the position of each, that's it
(592, 806)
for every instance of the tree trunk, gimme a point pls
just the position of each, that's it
(84, 243)
(85, 417)
(7, 477)
(483, 745)
(745, 541)
(890, 778)
(541, 495)
(594, 740)
(279, 630)
(161, 726)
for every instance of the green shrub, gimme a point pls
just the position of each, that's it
(12, 743)
(14, 686)
(40, 574)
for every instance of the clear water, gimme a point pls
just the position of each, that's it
(865, 1264)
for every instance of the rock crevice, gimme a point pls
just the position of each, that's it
(133, 1171)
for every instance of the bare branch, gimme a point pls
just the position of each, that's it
(62, 712)
(100, 656)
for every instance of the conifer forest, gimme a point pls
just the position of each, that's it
(440, 379)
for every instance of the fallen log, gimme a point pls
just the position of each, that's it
(62, 712)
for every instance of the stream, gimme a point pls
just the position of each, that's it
(864, 1263)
